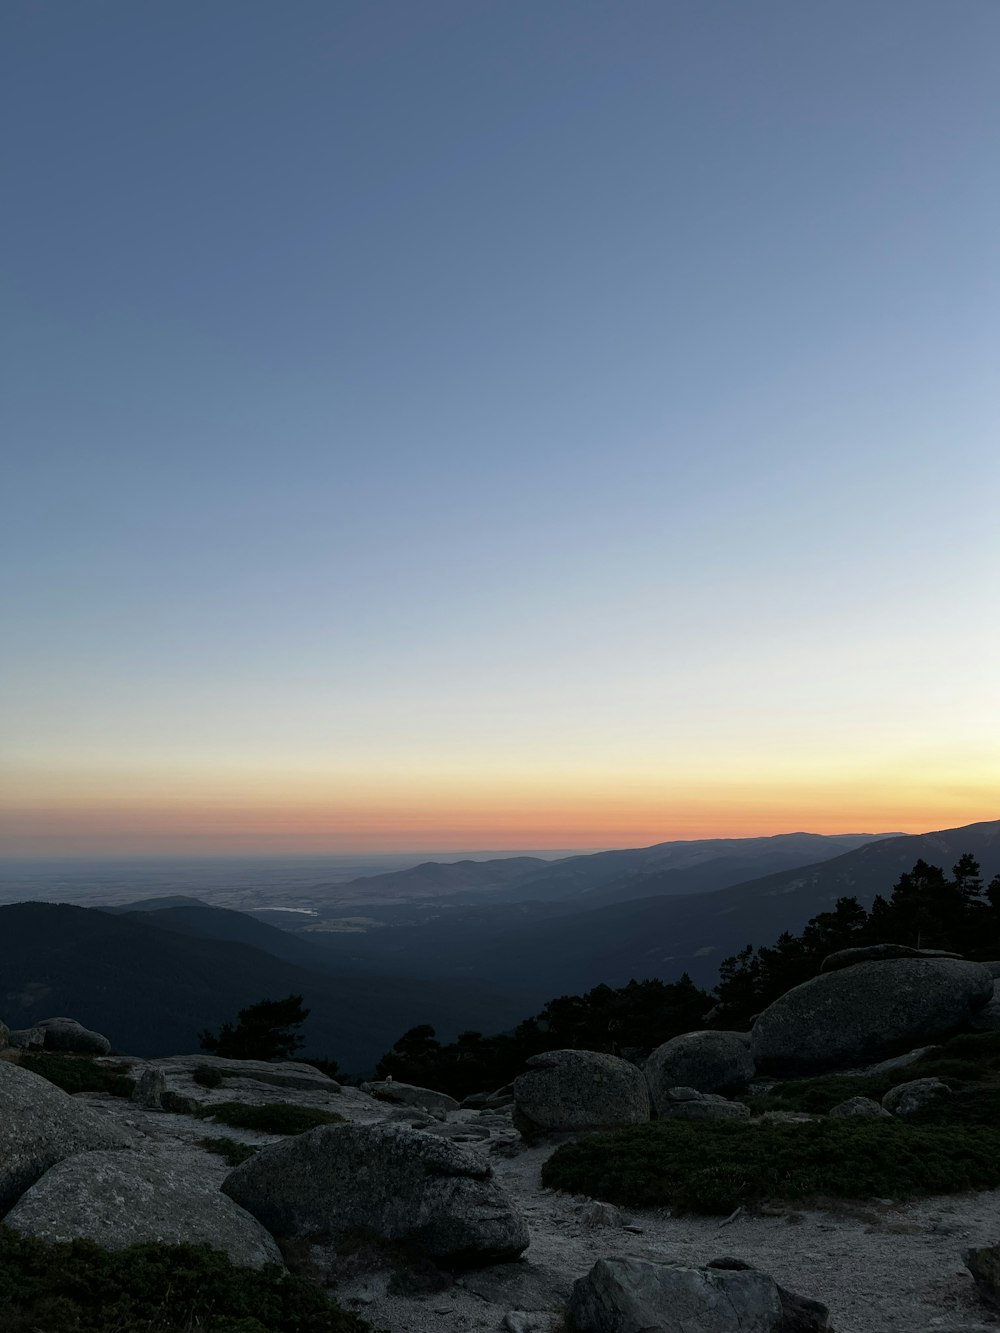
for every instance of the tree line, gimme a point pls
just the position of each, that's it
(926, 909)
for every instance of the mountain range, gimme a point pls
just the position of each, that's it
(154, 973)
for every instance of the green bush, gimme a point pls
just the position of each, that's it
(714, 1167)
(271, 1118)
(817, 1095)
(972, 1058)
(208, 1076)
(80, 1288)
(79, 1073)
(976, 1105)
(230, 1149)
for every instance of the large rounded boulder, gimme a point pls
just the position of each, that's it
(118, 1199)
(386, 1181)
(573, 1090)
(857, 1015)
(706, 1061)
(41, 1125)
(66, 1034)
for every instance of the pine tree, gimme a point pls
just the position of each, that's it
(263, 1031)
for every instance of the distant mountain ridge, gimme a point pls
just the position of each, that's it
(156, 973)
(655, 936)
(526, 877)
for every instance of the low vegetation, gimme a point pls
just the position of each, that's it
(80, 1288)
(271, 1118)
(207, 1076)
(967, 1061)
(716, 1167)
(233, 1151)
(79, 1073)
(626, 1020)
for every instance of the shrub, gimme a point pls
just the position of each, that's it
(272, 1117)
(79, 1073)
(817, 1095)
(208, 1076)
(972, 1058)
(80, 1288)
(230, 1149)
(712, 1168)
(976, 1105)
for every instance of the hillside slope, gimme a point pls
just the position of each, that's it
(152, 989)
(653, 936)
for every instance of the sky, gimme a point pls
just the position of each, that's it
(499, 423)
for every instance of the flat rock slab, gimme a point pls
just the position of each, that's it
(119, 1199)
(407, 1094)
(41, 1125)
(280, 1074)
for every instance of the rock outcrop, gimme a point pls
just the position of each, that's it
(706, 1061)
(24, 1039)
(291, 1074)
(868, 1012)
(908, 1098)
(117, 1199)
(574, 1090)
(878, 953)
(984, 1265)
(690, 1104)
(66, 1034)
(865, 1107)
(149, 1089)
(639, 1296)
(406, 1094)
(393, 1183)
(41, 1125)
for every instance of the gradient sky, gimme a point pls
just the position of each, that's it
(497, 424)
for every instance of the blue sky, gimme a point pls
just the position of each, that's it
(431, 420)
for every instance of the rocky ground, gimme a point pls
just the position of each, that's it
(878, 1267)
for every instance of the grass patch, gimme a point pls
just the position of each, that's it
(233, 1152)
(271, 1118)
(80, 1288)
(714, 1167)
(79, 1073)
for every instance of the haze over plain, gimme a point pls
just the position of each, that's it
(463, 425)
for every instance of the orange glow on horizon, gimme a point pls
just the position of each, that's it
(209, 823)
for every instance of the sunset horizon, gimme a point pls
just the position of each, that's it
(466, 425)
